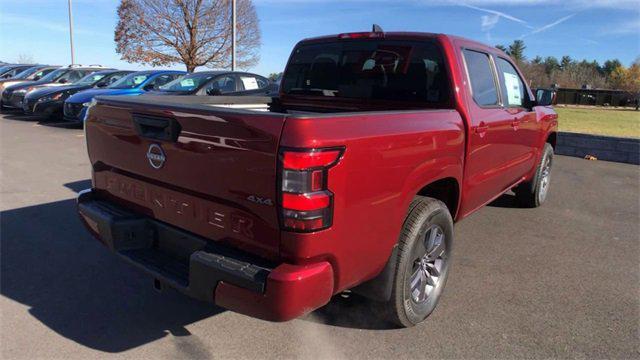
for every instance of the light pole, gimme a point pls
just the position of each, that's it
(71, 32)
(233, 35)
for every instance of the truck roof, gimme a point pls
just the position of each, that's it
(396, 36)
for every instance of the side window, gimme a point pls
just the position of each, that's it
(110, 79)
(513, 89)
(161, 80)
(43, 73)
(225, 84)
(115, 78)
(252, 82)
(481, 77)
(64, 78)
(76, 75)
(262, 82)
(71, 76)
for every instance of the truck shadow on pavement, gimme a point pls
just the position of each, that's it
(44, 121)
(74, 286)
(506, 201)
(351, 310)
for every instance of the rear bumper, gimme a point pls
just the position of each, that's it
(204, 270)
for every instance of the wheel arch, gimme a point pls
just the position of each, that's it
(552, 139)
(447, 190)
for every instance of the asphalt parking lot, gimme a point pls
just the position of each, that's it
(559, 281)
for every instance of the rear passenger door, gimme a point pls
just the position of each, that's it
(491, 140)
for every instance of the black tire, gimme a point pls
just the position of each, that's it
(427, 217)
(534, 193)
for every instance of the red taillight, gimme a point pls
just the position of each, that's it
(361, 35)
(294, 160)
(312, 201)
(307, 203)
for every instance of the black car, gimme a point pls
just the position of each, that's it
(217, 83)
(49, 101)
(9, 71)
(31, 74)
(13, 95)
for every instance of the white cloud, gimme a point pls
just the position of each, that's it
(570, 4)
(625, 28)
(495, 13)
(550, 25)
(487, 22)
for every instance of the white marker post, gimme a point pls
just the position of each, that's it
(233, 35)
(71, 33)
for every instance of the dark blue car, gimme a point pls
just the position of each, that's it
(48, 101)
(132, 84)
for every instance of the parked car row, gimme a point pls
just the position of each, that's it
(66, 92)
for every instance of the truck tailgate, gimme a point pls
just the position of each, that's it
(208, 170)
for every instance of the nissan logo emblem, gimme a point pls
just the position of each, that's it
(155, 155)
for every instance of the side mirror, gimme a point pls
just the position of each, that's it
(36, 78)
(545, 97)
(149, 87)
(101, 84)
(214, 92)
(62, 81)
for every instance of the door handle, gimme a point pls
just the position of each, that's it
(481, 129)
(515, 124)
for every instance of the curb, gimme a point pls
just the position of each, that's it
(609, 148)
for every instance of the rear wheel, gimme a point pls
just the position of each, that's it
(534, 193)
(423, 261)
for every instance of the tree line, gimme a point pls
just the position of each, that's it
(567, 72)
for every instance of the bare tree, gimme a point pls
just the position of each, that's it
(192, 32)
(25, 59)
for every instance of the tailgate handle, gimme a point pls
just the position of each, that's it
(157, 128)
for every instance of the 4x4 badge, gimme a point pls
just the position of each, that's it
(156, 156)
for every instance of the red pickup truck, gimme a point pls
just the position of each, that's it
(351, 178)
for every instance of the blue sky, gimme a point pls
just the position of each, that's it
(596, 29)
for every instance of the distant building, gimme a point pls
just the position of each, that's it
(595, 97)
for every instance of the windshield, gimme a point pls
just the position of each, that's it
(24, 74)
(130, 81)
(370, 69)
(4, 69)
(90, 79)
(53, 76)
(187, 83)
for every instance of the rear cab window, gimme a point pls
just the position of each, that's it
(373, 69)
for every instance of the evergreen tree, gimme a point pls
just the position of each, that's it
(516, 50)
